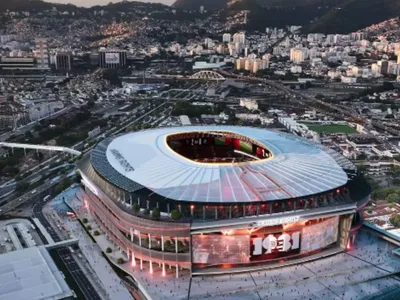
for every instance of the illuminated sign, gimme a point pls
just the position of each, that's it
(112, 58)
(272, 222)
(282, 243)
(122, 161)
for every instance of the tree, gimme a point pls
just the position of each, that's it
(96, 233)
(395, 220)
(394, 197)
(176, 214)
(136, 208)
(59, 188)
(89, 227)
(112, 76)
(156, 214)
(108, 250)
(28, 134)
(84, 220)
(120, 261)
(78, 177)
(22, 187)
(90, 104)
(39, 156)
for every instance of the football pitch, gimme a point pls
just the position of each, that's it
(330, 128)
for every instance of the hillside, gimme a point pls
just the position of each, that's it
(28, 5)
(221, 4)
(267, 13)
(354, 15)
(38, 5)
(195, 4)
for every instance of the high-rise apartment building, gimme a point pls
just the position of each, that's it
(42, 53)
(298, 55)
(252, 64)
(240, 63)
(384, 64)
(239, 38)
(64, 61)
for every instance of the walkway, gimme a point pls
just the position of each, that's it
(40, 147)
(363, 271)
(114, 286)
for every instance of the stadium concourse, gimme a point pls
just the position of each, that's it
(367, 270)
(222, 199)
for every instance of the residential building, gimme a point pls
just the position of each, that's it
(298, 55)
(226, 38)
(42, 53)
(239, 38)
(250, 104)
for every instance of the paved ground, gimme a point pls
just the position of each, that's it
(78, 275)
(114, 287)
(362, 271)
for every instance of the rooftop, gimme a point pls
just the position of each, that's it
(31, 274)
(296, 167)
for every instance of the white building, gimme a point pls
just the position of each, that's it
(208, 42)
(295, 69)
(248, 117)
(185, 121)
(250, 104)
(376, 70)
(346, 79)
(330, 39)
(226, 38)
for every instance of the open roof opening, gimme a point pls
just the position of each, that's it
(217, 147)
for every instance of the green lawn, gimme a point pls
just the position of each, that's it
(331, 128)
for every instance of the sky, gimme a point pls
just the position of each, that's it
(103, 2)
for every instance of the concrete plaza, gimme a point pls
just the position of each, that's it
(363, 270)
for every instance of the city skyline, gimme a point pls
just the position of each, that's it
(89, 3)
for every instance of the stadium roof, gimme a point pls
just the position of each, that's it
(30, 274)
(298, 168)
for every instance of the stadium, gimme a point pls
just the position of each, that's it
(222, 199)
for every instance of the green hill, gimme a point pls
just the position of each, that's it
(195, 4)
(353, 15)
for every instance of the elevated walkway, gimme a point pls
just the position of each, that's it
(65, 243)
(40, 147)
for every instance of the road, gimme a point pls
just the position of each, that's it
(74, 269)
(28, 196)
(58, 158)
(319, 105)
(29, 126)
(39, 174)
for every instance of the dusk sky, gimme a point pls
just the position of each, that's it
(103, 2)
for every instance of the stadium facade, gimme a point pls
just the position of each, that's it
(241, 198)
